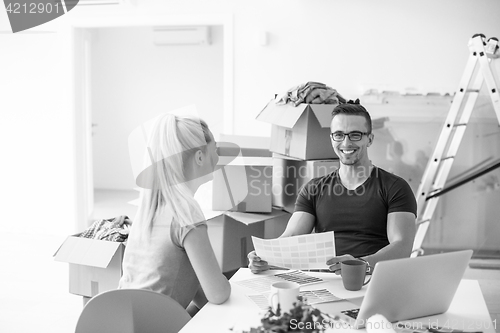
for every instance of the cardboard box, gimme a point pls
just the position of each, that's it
(243, 145)
(243, 184)
(95, 266)
(289, 175)
(230, 234)
(302, 131)
(247, 142)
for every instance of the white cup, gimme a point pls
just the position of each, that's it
(284, 294)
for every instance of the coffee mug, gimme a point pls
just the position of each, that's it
(284, 294)
(354, 273)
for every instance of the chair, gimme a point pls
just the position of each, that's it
(132, 311)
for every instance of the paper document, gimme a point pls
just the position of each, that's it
(298, 252)
(310, 297)
(263, 284)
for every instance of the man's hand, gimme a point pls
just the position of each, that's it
(334, 263)
(256, 265)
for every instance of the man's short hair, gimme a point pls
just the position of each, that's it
(353, 108)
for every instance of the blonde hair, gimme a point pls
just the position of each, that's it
(172, 144)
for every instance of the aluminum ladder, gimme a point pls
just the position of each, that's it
(480, 68)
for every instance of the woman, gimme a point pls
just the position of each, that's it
(168, 249)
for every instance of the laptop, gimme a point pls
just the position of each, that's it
(408, 288)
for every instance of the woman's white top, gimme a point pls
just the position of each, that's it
(158, 261)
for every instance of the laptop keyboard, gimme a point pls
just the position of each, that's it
(353, 313)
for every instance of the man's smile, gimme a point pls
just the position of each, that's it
(347, 151)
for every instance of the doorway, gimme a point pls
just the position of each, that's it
(122, 79)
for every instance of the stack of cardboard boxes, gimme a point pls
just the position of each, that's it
(241, 193)
(258, 179)
(300, 142)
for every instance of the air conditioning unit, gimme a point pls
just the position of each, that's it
(176, 35)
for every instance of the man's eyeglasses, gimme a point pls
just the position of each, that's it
(353, 136)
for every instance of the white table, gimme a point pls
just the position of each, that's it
(467, 312)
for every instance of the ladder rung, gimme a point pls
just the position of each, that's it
(433, 194)
(461, 124)
(434, 191)
(447, 158)
(423, 221)
(462, 90)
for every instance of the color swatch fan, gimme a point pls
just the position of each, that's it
(297, 252)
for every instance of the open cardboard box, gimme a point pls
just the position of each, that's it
(289, 175)
(301, 131)
(230, 234)
(95, 266)
(243, 182)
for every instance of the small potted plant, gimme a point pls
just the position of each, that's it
(302, 318)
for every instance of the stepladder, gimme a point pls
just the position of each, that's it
(480, 70)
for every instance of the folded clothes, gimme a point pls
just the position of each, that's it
(311, 93)
(115, 229)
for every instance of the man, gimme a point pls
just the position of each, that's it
(371, 211)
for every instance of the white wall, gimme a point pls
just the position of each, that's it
(134, 80)
(36, 168)
(353, 45)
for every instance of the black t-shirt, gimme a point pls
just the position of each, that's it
(358, 217)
